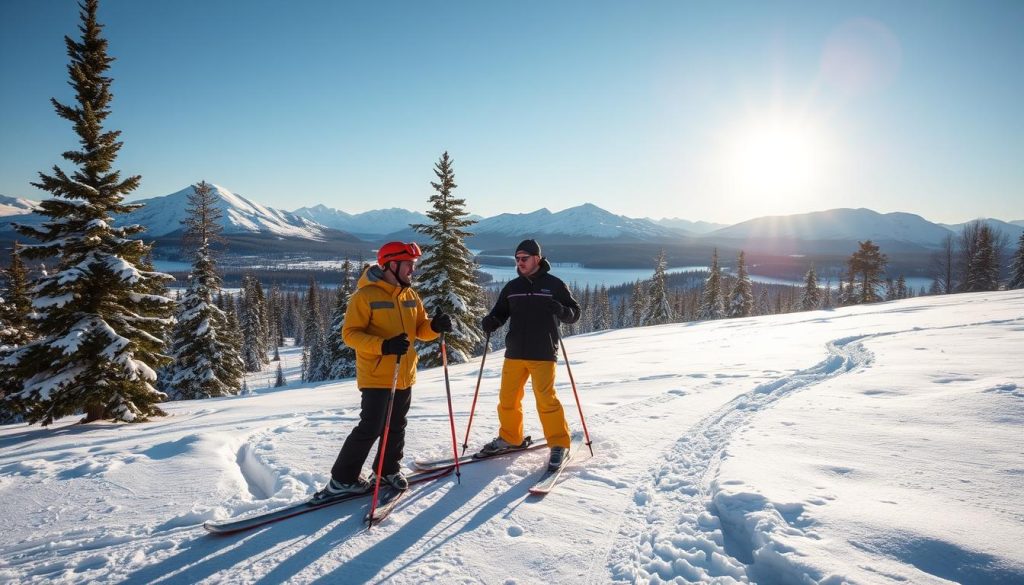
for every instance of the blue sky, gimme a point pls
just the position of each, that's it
(717, 111)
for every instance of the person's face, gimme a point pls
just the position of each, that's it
(527, 264)
(406, 268)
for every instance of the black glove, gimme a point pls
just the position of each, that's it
(489, 324)
(558, 309)
(396, 345)
(441, 322)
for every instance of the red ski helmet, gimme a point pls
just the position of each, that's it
(398, 251)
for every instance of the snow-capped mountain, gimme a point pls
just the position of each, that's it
(163, 216)
(587, 220)
(692, 227)
(839, 224)
(374, 223)
(16, 206)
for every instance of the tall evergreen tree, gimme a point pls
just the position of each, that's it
(206, 362)
(764, 303)
(983, 267)
(901, 288)
(17, 306)
(447, 271)
(341, 357)
(637, 303)
(741, 301)
(659, 309)
(253, 325)
(315, 353)
(1017, 266)
(868, 264)
(711, 306)
(811, 298)
(100, 329)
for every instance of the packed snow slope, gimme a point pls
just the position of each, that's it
(873, 444)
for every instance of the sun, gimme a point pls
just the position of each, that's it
(778, 156)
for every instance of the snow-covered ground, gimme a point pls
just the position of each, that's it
(874, 444)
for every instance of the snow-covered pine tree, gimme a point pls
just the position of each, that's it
(622, 314)
(279, 380)
(603, 317)
(253, 326)
(659, 309)
(741, 301)
(810, 300)
(206, 363)
(341, 357)
(764, 303)
(17, 306)
(447, 281)
(901, 288)
(275, 308)
(637, 303)
(100, 330)
(315, 352)
(711, 306)
(1017, 266)
(826, 295)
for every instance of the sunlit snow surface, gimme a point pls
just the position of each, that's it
(876, 444)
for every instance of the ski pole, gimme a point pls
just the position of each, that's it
(451, 414)
(483, 358)
(579, 406)
(383, 444)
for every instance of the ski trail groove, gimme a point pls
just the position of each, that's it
(674, 532)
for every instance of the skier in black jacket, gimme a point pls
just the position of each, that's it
(534, 304)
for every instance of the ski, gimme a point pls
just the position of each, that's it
(232, 526)
(388, 500)
(549, 479)
(433, 464)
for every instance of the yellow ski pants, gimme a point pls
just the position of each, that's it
(510, 401)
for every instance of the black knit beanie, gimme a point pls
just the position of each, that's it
(531, 247)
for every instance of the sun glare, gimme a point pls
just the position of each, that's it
(777, 157)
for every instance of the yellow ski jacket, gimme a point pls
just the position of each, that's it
(377, 311)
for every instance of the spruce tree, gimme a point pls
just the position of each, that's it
(811, 298)
(341, 357)
(206, 362)
(447, 271)
(279, 380)
(711, 306)
(637, 304)
(100, 329)
(253, 325)
(868, 264)
(17, 305)
(764, 304)
(1017, 266)
(315, 352)
(983, 268)
(659, 309)
(901, 288)
(741, 301)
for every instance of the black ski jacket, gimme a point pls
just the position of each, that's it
(533, 328)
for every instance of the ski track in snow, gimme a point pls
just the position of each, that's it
(683, 527)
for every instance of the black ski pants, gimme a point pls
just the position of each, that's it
(371, 424)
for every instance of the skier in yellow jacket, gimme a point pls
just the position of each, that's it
(384, 317)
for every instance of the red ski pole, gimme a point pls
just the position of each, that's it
(586, 434)
(384, 441)
(451, 414)
(483, 358)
